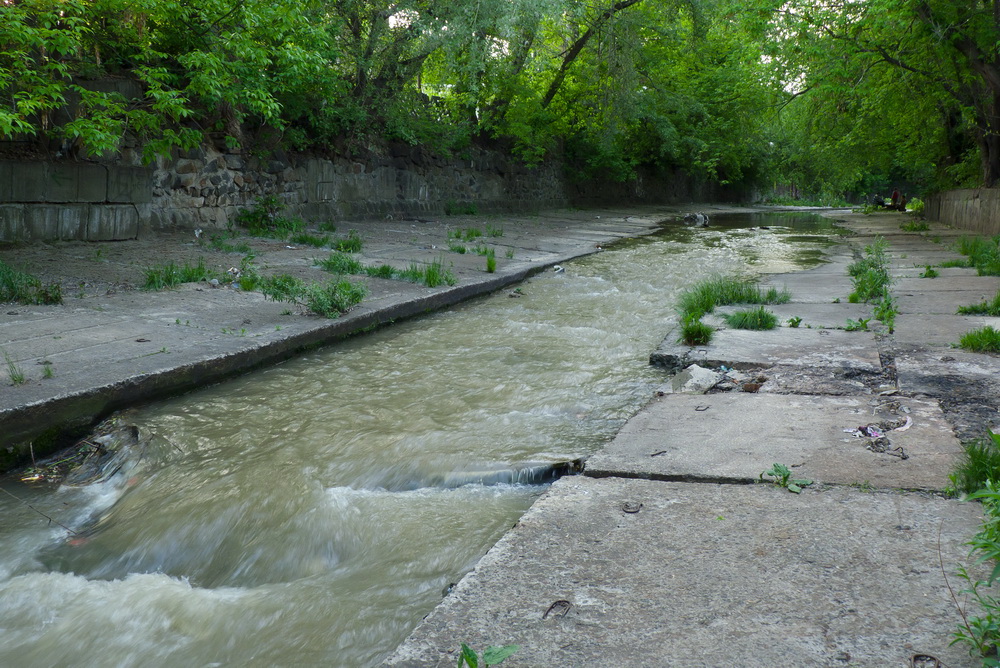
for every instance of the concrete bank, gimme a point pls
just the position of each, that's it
(112, 345)
(665, 553)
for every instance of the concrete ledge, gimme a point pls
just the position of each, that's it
(709, 575)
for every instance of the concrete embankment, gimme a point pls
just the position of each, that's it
(666, 553)
(111, 345)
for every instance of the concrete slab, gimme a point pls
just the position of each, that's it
(743, 349)
(734, 436)
(812, 315)
(814, 288)
(945, 302)
(937, 331)
(709, 575)
(988, 285)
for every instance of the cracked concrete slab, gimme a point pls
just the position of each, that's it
(629, 573)
(745, 349)
(735, 436)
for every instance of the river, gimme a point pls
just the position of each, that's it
(314, 511)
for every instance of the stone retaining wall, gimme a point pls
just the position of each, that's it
(976, 210)
(206, 188)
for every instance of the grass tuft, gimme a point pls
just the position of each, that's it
(980, 462)
(756, 319)
(341, 263)
(991, 308)
(695, 333)
(171, 275)
(982, 340)
(17, 286)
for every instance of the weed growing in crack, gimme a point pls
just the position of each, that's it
(983, 340)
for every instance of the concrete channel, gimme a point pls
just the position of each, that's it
(668, 551)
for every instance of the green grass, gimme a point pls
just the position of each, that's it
(695, 333)
(306, 239)
(431, 275)
(961, 263)
(352, 244)
(282, 287)
(456, 247)
(915, 226)
(15, 372)
(991, 308)
(980, 462)
(885, 311)
(381, 271)
(265, 219)
(341, 263)
(929, 272)
(453, 208)
(983, 254)
(756, 319)
(334, 298)
(494, 231)
(491, 261)
(22, 288)
(982, 340)
(327, 227)
(171, 275)
(466, 234)
(870, 273)
(705, 296)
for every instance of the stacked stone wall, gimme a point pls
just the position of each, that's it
(206, 188)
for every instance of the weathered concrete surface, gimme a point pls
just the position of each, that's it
(745, 349)
(648, 560)
(710, 575)
(735, 436)
(126, 346)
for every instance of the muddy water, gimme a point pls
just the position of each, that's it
(313, 512)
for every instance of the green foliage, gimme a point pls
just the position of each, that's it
(983, 254)
(22, 288)
(457, 248)
(755, 319)
(306, 239)
(492, 656)
(432, 275)
(990, 308)
(14, 372)
(885, 311)
(705, 296)
(859, 325)
(781, 476)
(170, 275)
(282, 288)
(915, 226)
(981, 633)
(453, 208)
(492, 231)
(352, 244)
(334, 298)
(916, 205)
(979, 464)
(491, 261)
(929, 272)
(983, 340)
(341, 263)
(794, 321)
(381, 271)
(870, 273)
(695, 333)
(265, 219)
